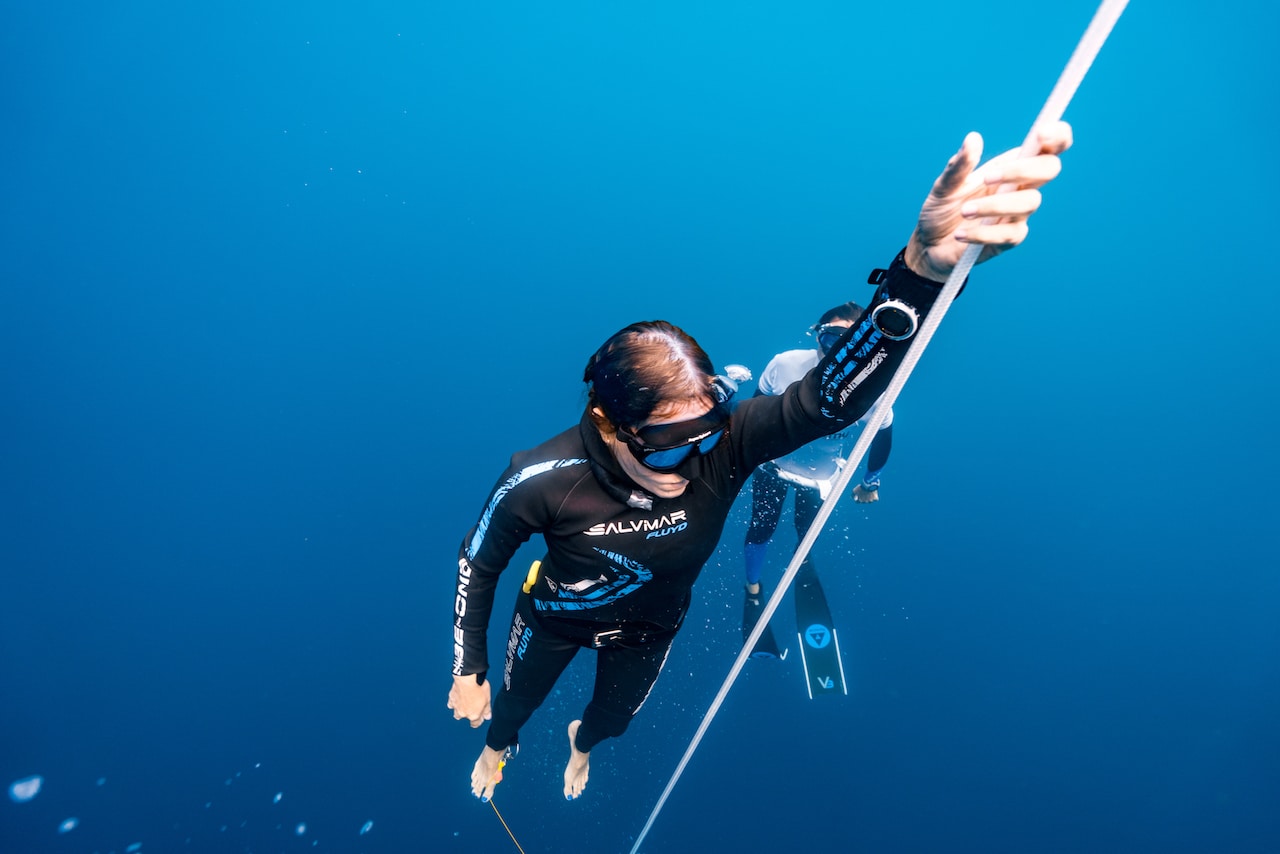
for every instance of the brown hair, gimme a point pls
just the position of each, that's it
(641, 368)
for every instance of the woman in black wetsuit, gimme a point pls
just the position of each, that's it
(632, 500)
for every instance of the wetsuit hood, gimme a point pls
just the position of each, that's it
(605, 467)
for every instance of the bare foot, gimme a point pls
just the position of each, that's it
(575, 773)
(486, 775)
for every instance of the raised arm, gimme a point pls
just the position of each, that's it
(987, 205)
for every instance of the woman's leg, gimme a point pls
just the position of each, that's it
(535, 658)
(808, 503)
(768, 491)
(624, 678)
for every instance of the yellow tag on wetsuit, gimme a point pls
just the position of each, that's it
(532, 578)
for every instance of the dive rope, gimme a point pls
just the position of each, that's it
(502, 763)
(504, 826)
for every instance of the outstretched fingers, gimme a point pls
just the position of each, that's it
(1022, 169)
(987, 204)
(1018, 204)
(1013, 171)
(992, 235)
(1054, 137)
(958, 167)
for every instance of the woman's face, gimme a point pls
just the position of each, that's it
(661, 484)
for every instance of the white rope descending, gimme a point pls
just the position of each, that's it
(1090, 43)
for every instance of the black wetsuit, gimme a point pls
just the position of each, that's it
(620, 563)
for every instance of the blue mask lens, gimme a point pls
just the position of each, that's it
(668, 459)
(664, 447)
(828, 336)
(671, 458)
(705, 446)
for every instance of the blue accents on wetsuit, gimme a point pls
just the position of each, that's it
(627, 577)
(482, 527)
(863, 356)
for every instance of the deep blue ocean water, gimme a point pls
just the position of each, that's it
(282, 286)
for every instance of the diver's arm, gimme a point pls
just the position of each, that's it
(868, 491)
(845, 382)
(469, 696)
(857, 369)
(988, 205)
(472, 604)
(878, 453)
(964, 207)
(484, 553)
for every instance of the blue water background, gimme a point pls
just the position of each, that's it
(282, 286)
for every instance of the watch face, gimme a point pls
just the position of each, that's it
(895, 320)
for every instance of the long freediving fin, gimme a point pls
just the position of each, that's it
(767, 645)
(819, 643)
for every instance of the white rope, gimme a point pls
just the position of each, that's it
(1090, 43)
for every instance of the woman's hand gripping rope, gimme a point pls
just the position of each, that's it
(987, 205)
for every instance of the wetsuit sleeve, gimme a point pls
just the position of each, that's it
(858, 368)
(844, 384)
(878, 453)
(509, 518)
